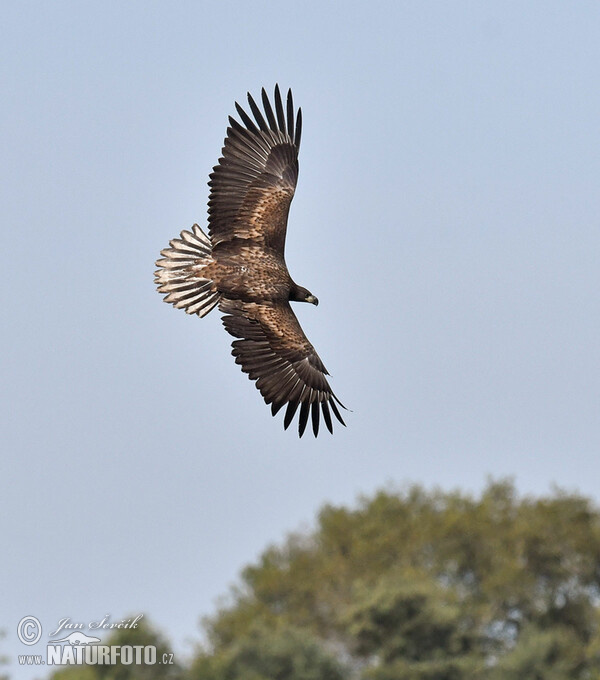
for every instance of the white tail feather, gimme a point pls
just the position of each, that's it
(180, 273)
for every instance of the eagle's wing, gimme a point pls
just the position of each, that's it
(274, 351)
(254, 181)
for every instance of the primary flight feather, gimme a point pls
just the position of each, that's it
(241, 268)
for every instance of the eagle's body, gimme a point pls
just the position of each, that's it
(244, 270)
(241, 267)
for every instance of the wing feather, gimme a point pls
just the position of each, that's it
(303, 417)
(268, 110)
(315, 417)
(253, 184)
(273, 350)
(262, 124)
(298, 129)
(290, 412)
(279, 109)
(327, 415)
(246, 118)
(290, 114)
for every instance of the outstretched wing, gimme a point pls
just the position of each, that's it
(254, 181)
(274, 351)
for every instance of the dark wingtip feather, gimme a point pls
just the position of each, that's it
(246, 118)
(279, 109)
(290, 114)
(303, 417)
(262, 124)
(268, 109)
(340, 403)
(307, 408)
(298, 129)
(335, 409)
(315, 417)
(276, 407)
(289, 414)
(327, 416)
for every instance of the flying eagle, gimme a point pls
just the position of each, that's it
(240, 266)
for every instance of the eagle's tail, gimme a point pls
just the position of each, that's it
(180, 273)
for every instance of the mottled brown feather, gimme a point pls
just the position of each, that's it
(273, 350)
(253, 184)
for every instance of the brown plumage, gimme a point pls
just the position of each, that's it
(241, 267)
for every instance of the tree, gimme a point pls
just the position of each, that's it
(409, 585)
(426, 586)
(266, 654)
(143, 635)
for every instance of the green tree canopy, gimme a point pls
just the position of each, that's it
(266, 653)
(142, 635)
(421, 586)
(410, 585)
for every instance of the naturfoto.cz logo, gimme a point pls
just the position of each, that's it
(78, 648)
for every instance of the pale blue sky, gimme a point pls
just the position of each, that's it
(447, 217)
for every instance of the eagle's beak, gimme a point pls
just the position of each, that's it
(312, 299)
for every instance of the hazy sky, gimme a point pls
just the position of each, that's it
(447, 217)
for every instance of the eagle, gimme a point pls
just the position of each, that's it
(240, 265)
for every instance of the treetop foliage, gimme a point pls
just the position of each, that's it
(417, 585)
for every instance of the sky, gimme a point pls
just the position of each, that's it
(446, 216)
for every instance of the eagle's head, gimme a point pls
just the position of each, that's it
(300, 294)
